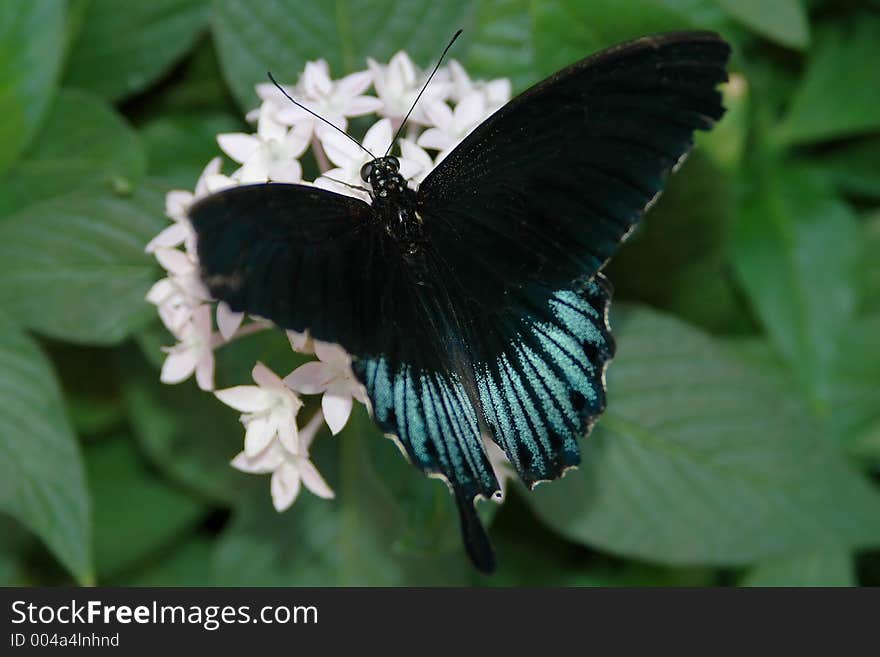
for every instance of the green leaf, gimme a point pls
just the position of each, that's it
(699, 460)
(281, 35)
(84, 144)
(186, 564)
(501, 42)
(75, 268)
(42, 482)
(870, 270)
(568, 30)
(783, 21)
(179, 146)
(796, 251)
(122, 51)
(837, 96)
(820, 568)
(31, 49)
(187, 433)
(677, 259)
(351, 540)
(854, 167)
(136, 513)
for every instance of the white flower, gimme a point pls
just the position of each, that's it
(289, 470)
(331, 375)
(399, 83)
(177, 203)
(415, 163)
(268, 155)
(269, 411)
(349, 158)
(496, 92)
(228, 321)
(193, 352)
(301, 342)
(178, 295)
(451, 126)
(329, 99)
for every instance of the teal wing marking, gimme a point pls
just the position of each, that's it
(532, 380)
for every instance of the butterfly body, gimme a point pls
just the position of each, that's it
(474, 307)
(394, 203)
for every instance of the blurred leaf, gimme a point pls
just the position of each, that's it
(870, 270)
(281, 35)
(31, 49)
(796, 251)
(501, 42)
(820, 568)
(566, 31)
(854, 167)
(188, 434)
(186, 564)
(179, 146)
(135, 512)
(838, 94)
(699, 460)
(122, 51)
(783, 21)
(725, 143)
(42, 482)
(346, 541)
(62, 261)
(677, 259)
(84, 144)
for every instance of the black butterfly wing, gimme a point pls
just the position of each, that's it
(307, 258)
(546, 189)
(298, 255)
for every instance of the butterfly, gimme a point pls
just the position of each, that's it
(475, 307)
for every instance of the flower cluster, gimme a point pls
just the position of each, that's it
(451, 106)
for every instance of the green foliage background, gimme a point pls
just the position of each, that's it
(742, 440)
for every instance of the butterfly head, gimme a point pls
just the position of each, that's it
(384, 177)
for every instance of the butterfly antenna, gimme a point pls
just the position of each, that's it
(303, 107)
(425, 86)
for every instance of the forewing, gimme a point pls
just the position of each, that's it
(303, 257)
(545, 190)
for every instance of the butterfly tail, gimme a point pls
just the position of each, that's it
(476, 540)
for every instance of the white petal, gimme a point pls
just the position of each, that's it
(172, 236)
(379, 136)
(176, 203)
(228, 321)
(362, 105)
(178, 366)
(337, 409)
(469, 112)
(313, 480)
(309, 378)
(256, 168)
(161, 291)
(174, 261)
(307, 433)
(316, 80)
(269, 127)
(266, 378)
(212, 168)
(285, 486)
(288, 171)
(439, 114)
(247, 399)
(217, 182)
(354, 84)
(205, 371)
(300, 342)
(287, 433)
(434, 138)
(260, 432)
(332, 354)
(263, 463)
(238, 145)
